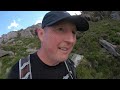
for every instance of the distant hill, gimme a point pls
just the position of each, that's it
(28, 32)
(98, 62)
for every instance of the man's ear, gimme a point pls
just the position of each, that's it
(40, 33)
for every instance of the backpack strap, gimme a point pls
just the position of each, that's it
(25, 68)
(71, 68)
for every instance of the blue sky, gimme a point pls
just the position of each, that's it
(16, 20)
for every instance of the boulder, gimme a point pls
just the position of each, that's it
(109, 47)
(76, 58)
(115, 15)
(4, 53)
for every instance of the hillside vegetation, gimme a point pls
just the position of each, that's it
(97, 63)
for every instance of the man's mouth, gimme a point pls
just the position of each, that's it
(63, 48)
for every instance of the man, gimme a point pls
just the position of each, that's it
(58, 37)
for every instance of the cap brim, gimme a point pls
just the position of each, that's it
(80, 22)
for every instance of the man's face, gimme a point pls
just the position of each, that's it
(58, 41)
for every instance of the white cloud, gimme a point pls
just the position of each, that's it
(14, 30)
(13, 25)
(38, 21)
(74, 12)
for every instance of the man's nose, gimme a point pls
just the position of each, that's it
(71, 38)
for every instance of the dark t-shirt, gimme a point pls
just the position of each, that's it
(40, 70)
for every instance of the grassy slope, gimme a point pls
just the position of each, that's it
(97, 62)
(19, 50)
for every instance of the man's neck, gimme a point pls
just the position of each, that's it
(44, 58)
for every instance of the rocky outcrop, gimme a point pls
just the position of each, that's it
(92, 15)
(25, 33)
(76, 58)
(4, 53)
(109, 47)
(115, 15)
(1, 40)
(10, 35)
(99, 15)
(30, 31)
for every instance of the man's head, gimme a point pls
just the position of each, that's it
(58, 35)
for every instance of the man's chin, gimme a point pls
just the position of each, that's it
(63, 59)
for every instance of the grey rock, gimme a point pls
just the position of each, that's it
(118, 33)
(10, 41)
(25, 33)
(98, 15)
(4, 53)
(92, 15)
(1, 40)
(9, 36)
(109, 47)
(31, 50)
(115, 15)
(29, 31)
(76, 58)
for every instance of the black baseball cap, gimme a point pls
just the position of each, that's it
(54, 17)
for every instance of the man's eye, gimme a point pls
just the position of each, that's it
(61, 29)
